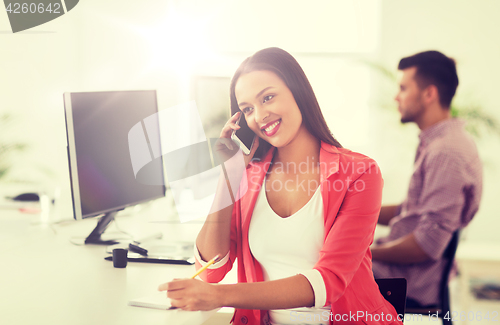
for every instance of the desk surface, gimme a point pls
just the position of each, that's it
(468, 251)
(47, 280)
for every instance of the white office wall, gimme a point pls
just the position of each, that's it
(36, 67)
(467, 31)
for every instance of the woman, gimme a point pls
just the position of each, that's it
(302, 230)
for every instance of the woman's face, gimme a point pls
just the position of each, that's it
(269, 107)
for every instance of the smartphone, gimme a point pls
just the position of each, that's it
(244, 136)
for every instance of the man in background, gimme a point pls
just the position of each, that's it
(445, 188)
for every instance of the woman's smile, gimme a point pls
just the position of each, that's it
(271, 128)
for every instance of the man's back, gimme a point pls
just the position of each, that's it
(443, 196)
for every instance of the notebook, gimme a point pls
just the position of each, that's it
(158, 300)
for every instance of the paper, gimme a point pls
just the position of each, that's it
(157, 301)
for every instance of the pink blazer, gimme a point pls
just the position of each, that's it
(351, 188)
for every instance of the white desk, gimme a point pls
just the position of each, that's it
(476, 260)
(47, 280)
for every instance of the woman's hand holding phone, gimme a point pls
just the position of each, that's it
(225, 147)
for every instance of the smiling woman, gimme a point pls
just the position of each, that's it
(301, 241)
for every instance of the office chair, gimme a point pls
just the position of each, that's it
(443, 307)
(394, 291)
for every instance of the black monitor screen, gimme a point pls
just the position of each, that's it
(102, 176)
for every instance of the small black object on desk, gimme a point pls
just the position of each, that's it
(137, 249)
(120, 257)
(26, 197)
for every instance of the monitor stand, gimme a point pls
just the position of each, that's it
(95, 236)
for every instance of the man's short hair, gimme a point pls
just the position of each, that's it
(434, 68)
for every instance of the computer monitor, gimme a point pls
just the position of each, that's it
(103, 180)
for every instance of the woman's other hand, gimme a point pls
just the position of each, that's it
(192, 294)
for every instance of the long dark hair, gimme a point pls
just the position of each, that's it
(288, 69)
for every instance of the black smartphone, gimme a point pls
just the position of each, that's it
(244, 135)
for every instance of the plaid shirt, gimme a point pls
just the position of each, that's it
(443, 196)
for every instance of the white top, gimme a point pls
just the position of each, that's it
(288, 246)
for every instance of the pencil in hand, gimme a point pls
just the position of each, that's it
(212, 261)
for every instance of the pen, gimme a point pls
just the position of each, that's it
(212, 261)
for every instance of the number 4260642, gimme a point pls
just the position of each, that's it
(24, 8)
